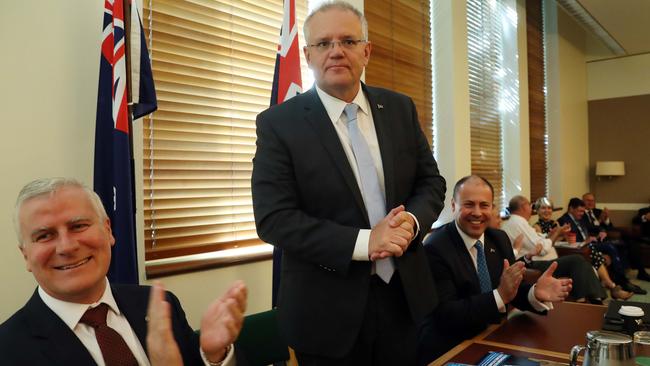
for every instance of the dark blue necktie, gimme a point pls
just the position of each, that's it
(481, 269)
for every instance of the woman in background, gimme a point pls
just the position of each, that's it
(546, 225)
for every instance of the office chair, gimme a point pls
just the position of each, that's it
(261, 341)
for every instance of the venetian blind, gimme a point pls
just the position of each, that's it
(400, 32)
(213, 64)
(536, 99)
(484, 55)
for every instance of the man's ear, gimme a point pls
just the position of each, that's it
(109, 230)
(22, 249)
(367, 50)
(305, 51)
(453, 205)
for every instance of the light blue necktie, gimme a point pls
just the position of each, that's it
(372, 194)
(481, 268)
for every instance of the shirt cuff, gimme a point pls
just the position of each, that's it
(500, 305)
(227, 361)
(417, 225)
(536, 304)
(360, 252)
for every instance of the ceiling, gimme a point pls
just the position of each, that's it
(626, 21)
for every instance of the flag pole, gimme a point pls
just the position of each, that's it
(129, 99)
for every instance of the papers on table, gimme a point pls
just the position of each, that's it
(566, 244)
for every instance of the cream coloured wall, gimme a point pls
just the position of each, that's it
(49, 73)
(619, 77)
(49, 79)
(566, 106)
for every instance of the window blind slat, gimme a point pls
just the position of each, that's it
(401, 58)
(213, 63)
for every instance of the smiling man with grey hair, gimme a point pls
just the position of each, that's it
(75, 317)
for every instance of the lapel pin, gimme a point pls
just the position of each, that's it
(492, 250)
(380, 106)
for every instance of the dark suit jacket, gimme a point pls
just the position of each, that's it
(602, 225)
(463, 311)
(584, 222)
(35, 335)
(645, 226)
(307, 202)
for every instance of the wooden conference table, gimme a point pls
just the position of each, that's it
(530, 335)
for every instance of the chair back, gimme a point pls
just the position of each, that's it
(260, 340)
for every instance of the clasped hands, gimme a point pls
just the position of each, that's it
(220, 326)
(547, 288)
(392, 235)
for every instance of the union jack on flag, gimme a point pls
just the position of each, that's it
(113, 174)
(287, 83)
(286, 80)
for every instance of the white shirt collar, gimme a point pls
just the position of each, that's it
(71, 312)
(334, 106)
(469, 241)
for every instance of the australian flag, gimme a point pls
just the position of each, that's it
(286, 84)
(113, 174)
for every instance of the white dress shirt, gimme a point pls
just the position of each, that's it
(517, 225)
(71, 313)
(334, 108)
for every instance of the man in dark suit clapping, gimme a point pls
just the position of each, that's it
(475, 274)
(75, 317)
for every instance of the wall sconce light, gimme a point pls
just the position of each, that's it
(610, 169)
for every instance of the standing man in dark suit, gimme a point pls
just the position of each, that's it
(65, 237)
(476, 275)
(345, 183)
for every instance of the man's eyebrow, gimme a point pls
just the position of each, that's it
(78, 219)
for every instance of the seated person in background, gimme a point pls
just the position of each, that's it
(586, 286)
(65, 238)
(574, 217)
(642, 219)
(599, 223)
(546, 224)
(476, 275)
(596, 217)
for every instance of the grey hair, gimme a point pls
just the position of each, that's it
(47, 186)
(543, 202)
(339, 5)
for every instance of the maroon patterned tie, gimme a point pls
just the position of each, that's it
(114, 349)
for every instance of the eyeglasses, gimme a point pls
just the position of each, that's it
(348, 44)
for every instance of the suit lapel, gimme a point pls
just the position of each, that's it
(382, 124)
(317, 117)
(58, 343)
(466, 261)
(134, 312)
(494, 261)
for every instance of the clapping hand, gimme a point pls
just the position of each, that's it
(511, 278)
(222, 322)
(552, 289)
(161, 345)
